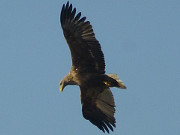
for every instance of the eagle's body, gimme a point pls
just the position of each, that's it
(88, 70)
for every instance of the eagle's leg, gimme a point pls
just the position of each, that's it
(112, 80)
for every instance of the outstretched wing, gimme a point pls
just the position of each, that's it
(98, 107)
(85, 50)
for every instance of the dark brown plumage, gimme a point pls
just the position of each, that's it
(88, 70)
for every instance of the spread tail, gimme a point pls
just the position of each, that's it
(120, 83)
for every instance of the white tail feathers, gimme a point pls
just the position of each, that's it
(120, 83)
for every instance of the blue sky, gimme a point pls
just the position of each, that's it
(141, 43)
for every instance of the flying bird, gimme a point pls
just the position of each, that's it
(88, 70)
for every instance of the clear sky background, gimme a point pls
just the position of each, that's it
(141, 43)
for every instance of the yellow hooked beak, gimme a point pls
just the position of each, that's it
(61, 87)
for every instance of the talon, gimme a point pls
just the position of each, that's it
(107, 84)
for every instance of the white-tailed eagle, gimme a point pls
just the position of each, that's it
(88, 70)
